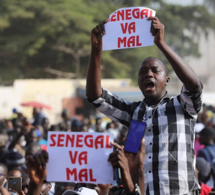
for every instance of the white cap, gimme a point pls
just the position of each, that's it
(198, 127)
(81, 191)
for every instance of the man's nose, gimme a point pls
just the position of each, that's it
(149, 73)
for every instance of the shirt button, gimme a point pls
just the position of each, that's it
(150, 143)
(149, 171)
(149, 130)
(149, 156)
(150, 117)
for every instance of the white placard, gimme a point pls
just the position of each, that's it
(128, 28)
(79, 157)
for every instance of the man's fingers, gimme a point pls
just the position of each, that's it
(41, 159)
(154, 19)
(116, 146)
(99, 29)
(113, 155)
(142, 146)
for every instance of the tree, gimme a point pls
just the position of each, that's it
(55, 34)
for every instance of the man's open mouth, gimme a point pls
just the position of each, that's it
(149, 85)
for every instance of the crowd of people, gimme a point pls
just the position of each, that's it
(175, 156)
(21, 138)
(22, 142)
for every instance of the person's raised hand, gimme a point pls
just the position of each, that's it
(37, 167)
(118, 159)
(157, 30)
(96, 35)
(3, 191)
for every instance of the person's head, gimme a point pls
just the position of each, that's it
(84, 128)
(76, 125)
(206, 136)
(81, 191)
(61, 187)
(65, 114)
(32, 136)
(153, 79)
(32, 149)
(36, 111)
(45, 123)
(14, 159)
(15, 172)
(3, 174)
(46, 187)
(54, 128)
(98, 121)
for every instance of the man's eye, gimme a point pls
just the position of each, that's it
(142, 72)
(156, 70)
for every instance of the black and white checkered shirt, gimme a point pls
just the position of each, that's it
(169, 138)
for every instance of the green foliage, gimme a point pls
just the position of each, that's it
(56, 34)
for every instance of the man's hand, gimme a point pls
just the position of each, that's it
(136, 165)
(136, 161)
(97, 34)
(118, 159)
(37, 167)
(157, 30)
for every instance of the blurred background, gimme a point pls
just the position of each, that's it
(45, 49)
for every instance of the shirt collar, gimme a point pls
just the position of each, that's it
(163, 100)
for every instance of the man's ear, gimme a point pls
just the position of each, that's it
(167, 80)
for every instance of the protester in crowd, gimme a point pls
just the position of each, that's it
(197, 145)
(32, 136)
(98, 125)
(37, 171)
(207, 136)
(76, 125)
(38, 116)
(205, 174)
(61, 187)
(110, 128)
(84, 128)
(46, 127)
(31, 150)
(131, 167)
(65, 124)
(169, 122)
(14, 159)
(15, 172)
(46, 188)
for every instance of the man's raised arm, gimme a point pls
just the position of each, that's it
(93, 85)
(184, 72)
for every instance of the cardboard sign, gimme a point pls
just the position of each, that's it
(79, 157)
(128, 28)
